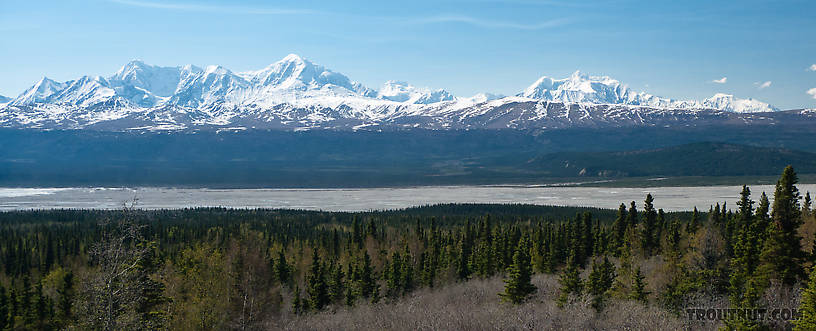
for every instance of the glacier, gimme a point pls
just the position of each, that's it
(295, 93)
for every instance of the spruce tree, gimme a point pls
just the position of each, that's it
(570, 281)
(639, 292)
(394, 276)
(619, 229)
(349, 297)
(316, 284)
(282, 269)
(586, 235)
(632, 216)
(649, 223)
(407, 272)
(151, 299)
(694, 224)
(600, 281)
(297, 304)
(4, 308)
(782, 255)
(336, 284)
(517, 285)
(807, 307)
(367, 281)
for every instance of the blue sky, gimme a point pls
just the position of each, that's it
(669, 48)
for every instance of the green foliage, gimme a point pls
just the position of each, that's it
(639, 292)
(517, 285)
(600, 282)
(570, 281)
(4, 308)
(316, 285)
(213, 268)
(807, 307)
(782, 255)
(649, 242)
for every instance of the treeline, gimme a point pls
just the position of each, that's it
(215, 268)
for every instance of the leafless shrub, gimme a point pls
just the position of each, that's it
(113, 285)
(474, 305)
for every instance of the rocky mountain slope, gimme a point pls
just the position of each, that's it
(296, 94)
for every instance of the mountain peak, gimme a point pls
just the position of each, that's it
(728, 102)
(400, 91)
(293, 58)
(578, 75)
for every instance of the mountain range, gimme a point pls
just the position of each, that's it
(296, 94)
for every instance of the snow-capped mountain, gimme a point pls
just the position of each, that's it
(41, 92)
(296, 73)
(583, 88)
(295, 93)
(730, 103)
(404, 92)
(4, 99)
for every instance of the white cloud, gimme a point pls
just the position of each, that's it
(812, 67)
(720, 81)
(812, 92)
(763, 85)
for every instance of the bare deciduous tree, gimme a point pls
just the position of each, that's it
(113, 286)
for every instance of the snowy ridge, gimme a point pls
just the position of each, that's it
(582, 88)
(295, 93)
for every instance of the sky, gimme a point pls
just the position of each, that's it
(758, 49)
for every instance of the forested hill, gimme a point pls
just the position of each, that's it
(396, 158)
(696, 159)
(433, 267)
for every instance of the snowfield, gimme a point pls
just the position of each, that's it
(295, 93)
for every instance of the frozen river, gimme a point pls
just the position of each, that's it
(668, 198)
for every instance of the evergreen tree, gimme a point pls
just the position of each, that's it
(282, 269)
(367, 281)
(600, 281)
(517, 285)
(407, 272)
(350, 297)
(694, 224)
(647, 235)
(297, 304)
(782, 255)
(336, 284)
(65, 299)
(4, 308)
(586, 235)
(619, 229)
(151, 300)
(394, 276)
(807, 307)
(316, 284)
(632, 216)
(570, 281)
(639, 292)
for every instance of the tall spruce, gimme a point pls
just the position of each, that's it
(4, 308)
(570, 280)
(316, 284)
(619, 229)
(807, 307)
(600, 281)
(647, 235)
(517, 285)
(782, 255)
(639, 292)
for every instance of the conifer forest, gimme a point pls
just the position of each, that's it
(457, 266)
